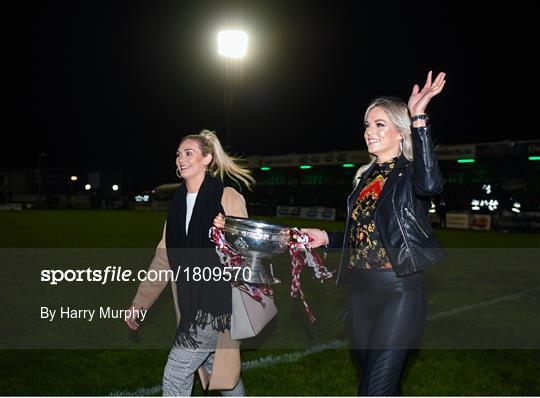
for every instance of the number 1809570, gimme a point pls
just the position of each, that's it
(226, 274)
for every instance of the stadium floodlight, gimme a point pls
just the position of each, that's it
(347, 165)
(74, 178)
(265, 168)
(466, 160)
(305, 166)
(115, 187)
(232, 43)
(88, 187)
(534, 157)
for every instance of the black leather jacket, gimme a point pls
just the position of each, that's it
(401, 211)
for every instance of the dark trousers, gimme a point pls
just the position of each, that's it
(388, 314)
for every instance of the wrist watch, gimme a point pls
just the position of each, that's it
(422, 116)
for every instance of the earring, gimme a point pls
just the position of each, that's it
(178, 173)
(401, 145)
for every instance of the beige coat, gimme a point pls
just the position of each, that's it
(226, 368)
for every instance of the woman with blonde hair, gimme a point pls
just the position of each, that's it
(203, 305)
(388, 240)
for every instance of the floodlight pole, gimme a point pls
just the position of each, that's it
(229, 99)
(232, 58)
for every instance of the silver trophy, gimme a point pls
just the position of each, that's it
(257, 241)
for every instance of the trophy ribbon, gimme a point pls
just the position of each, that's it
(301, 256)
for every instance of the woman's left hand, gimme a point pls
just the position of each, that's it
(219, 221)
(419, 100)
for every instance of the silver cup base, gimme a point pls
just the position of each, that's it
(261, 272)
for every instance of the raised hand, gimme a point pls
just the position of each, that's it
(419, 100)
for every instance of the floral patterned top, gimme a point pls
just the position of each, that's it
(366, 250)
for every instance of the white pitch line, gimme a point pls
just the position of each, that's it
(290, 357)
(459, 310)
(141, 392)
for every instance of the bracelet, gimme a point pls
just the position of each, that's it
(422, 116)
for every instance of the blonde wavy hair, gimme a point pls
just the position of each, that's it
(222, 163)
(398, 113)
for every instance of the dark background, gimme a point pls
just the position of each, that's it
(115, 85)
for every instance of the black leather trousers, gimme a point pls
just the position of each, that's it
(388, 314)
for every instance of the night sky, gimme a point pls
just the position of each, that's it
(116, 84)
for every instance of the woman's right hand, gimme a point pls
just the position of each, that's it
(317, 237)
(419, 99)
(132, 322)
(219, 221)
